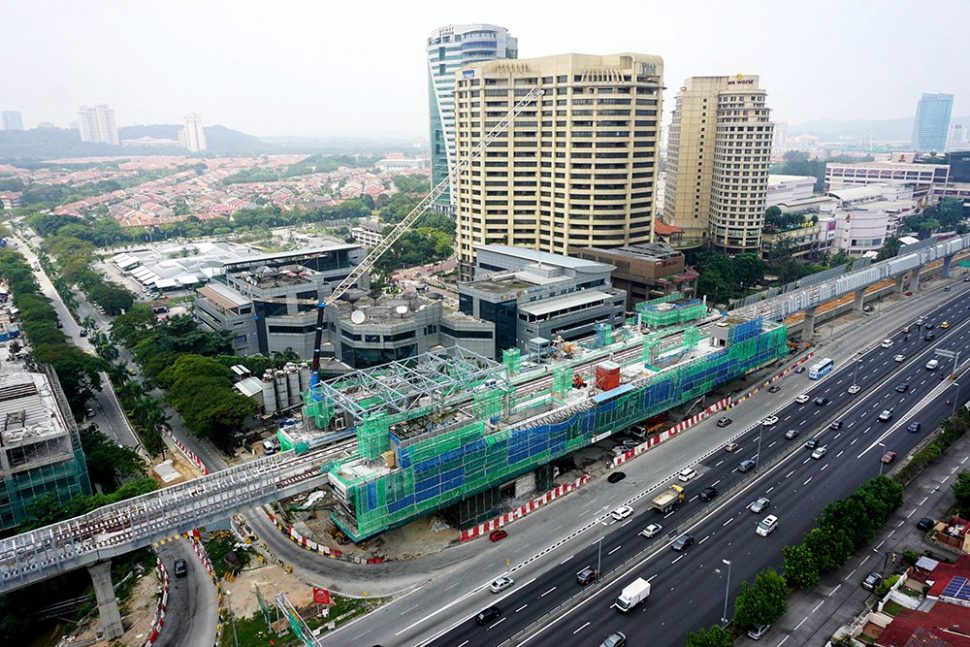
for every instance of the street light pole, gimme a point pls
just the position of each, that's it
(727, 591)
(855, 370)
(757, 463)
(232, 618)
(599, 556)
(954, 398)
(883, 445)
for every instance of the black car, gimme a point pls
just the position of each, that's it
(708, 493)
(586, 576)
(616, 477)
(930, 336)
(902, 388)
(799, 369)
(914, 427)
(925, 523)
(181, 570)
(821, 401)
(487, 615)
(872, 581)
(811, 443)
(681, 543)
(836, 424)
(774, 388)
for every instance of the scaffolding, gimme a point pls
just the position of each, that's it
(668, 311)
(435, 458)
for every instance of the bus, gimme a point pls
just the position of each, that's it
(820, 369)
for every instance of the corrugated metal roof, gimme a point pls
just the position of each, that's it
(561, 303)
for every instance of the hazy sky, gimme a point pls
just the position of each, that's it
(333, 66)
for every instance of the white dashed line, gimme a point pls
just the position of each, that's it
(498, 623)
(566, 560)
(522, 607)
(808, 481)
(615, 549)
(547, 592)
(676, 560)
(580, 628)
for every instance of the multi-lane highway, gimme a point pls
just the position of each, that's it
(689, 588)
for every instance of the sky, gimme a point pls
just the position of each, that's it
(331, 67)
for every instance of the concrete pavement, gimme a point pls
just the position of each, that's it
(193, 603)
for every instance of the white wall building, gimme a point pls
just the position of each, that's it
(785, 189)
(866, 216)
(192, 136)
(97, 124)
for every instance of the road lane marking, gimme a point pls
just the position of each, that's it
(867, 429)
(409, 609)
(547, 592)
(769, 489)
(789, 474)
(865, 560)
(651, 577)
(626, 522)
(820, 603)
(911, 513)
(498, 623)
(463, 644)
(802, 423)
(615, 549)
(923, 501)
(853, 441)
(581, 628)
(823, 467)
(809, 479)
(840, 453)
(800, 623)
(522, 607)
(566, 560)
(715, 482)
(837, 436)
(676, 560)
(773, 444)
(727, 522)
(703, 540)
(718, 464)
(846, 578)
(876, 549)
(832, 592)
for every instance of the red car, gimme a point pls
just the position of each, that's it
(888, 457)
(497, 535)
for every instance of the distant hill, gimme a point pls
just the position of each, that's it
(862, 129)
(50, 143)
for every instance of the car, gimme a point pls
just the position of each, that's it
(920, 322)
(811, 443)
(622, 512)
(181, 568)
(946, 288)
(84, 332)
(932, 365)
(746, 465)
(791, 434)
(59, 324)
(930, 336)
(631, 443)
(766, 526)
(872, 581)
(899, 358)
(913, 427)
(586, 576)
(497, 535)
(682, 543)
(905, 330)
(687, 474)
(819, 452)
(836, 424)
(925, 523)
(724, 422)
(501, 584)
(774, 388)
(769, 421)
(799, 369)
(639, 433)
(885, 415)
(732, 447)
(759, 505)
(802, 399)
(855, 388)
(888, 458)
(929, 326)
(966, 279)
(487, 615)
(758, 632)
(89, 412)
(708, 493)
(887, 343)
(902, 387)
(616, 477)
(651, 531)
(821, 401)
(615, 639)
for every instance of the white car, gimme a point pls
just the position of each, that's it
(899, 358)
(802, 399)
(819, 452)
(687, 474)
(501, 584)
(887, 343)
(651, 531)
(855, 388)
(767, 526)
(622, 512)
(769, 421)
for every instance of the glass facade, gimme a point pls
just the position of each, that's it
(932, 124)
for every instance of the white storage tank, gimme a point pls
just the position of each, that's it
(293, 385)
(269, 394)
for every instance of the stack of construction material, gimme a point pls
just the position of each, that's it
(607, 375)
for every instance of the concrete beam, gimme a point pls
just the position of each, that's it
(104, 591)
(808, 325)
(947, 262)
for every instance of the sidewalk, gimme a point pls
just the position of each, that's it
(814, 616)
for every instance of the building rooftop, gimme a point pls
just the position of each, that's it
(774, 179)
(223, 295)
(887, 164)
(648, 251)
(28, 407)
(848, 194)
(546, 306)
(535, 256)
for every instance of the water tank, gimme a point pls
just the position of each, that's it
(279, 381)
(304, 378)
(293, 385)
(269, 394)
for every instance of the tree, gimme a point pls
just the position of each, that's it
(889, 249)
(961, 490)
(830, 547)
(763, 602)
(107, 462)
(714, 637)
(800, 568)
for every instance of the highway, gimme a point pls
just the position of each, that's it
(688, 588)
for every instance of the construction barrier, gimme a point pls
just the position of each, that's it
(162, 604)
(550, 496)
(188, 453)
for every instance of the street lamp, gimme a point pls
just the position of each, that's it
(232, 618)
(727, 591)
(883, 445)
(757, 463)
(955, 397)
(599, 556)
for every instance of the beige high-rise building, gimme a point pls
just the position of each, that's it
(578, 168)
(718, 153)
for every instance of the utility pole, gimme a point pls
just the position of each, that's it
(599, 556)
(727, 591)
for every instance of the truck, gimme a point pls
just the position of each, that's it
(633, 594)
(668, 499)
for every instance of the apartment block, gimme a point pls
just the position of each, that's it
(646, 271)
(577, 168)
(97, 124)
(718, 154)
(192, 135)
(11, 120)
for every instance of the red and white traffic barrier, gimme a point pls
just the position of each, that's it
(162, 605)
(521, 511)
(188, 453)
(683, 425)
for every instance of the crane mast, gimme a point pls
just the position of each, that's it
(419, 210)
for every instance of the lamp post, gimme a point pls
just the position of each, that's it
(727, 591)
(955, 397)
(883, 445)
(232, 618)
(757, 463)
(599, 556)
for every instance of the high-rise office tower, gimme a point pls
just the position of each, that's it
(957, 139)
(450, 48)
(98, 125)
(718, 153)
(12, 120)
(192, 136)
(577, 168)
(932, 122)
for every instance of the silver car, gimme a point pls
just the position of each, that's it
(501, 584)
(759, 505)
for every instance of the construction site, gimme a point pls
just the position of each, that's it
(448, 432)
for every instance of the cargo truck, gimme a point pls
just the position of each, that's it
(668, 499)
(633, 595)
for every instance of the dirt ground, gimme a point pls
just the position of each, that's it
(137, 615)
(271, 580)
(420, 537)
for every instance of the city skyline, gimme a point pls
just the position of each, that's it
(113, 63)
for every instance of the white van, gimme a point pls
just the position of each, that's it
(269, 448)
(932, 364)
(767, 526)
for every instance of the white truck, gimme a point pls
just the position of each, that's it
(633, 594)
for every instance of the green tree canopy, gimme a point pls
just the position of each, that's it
(714, 637)
(800, 568)
(762, 602)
